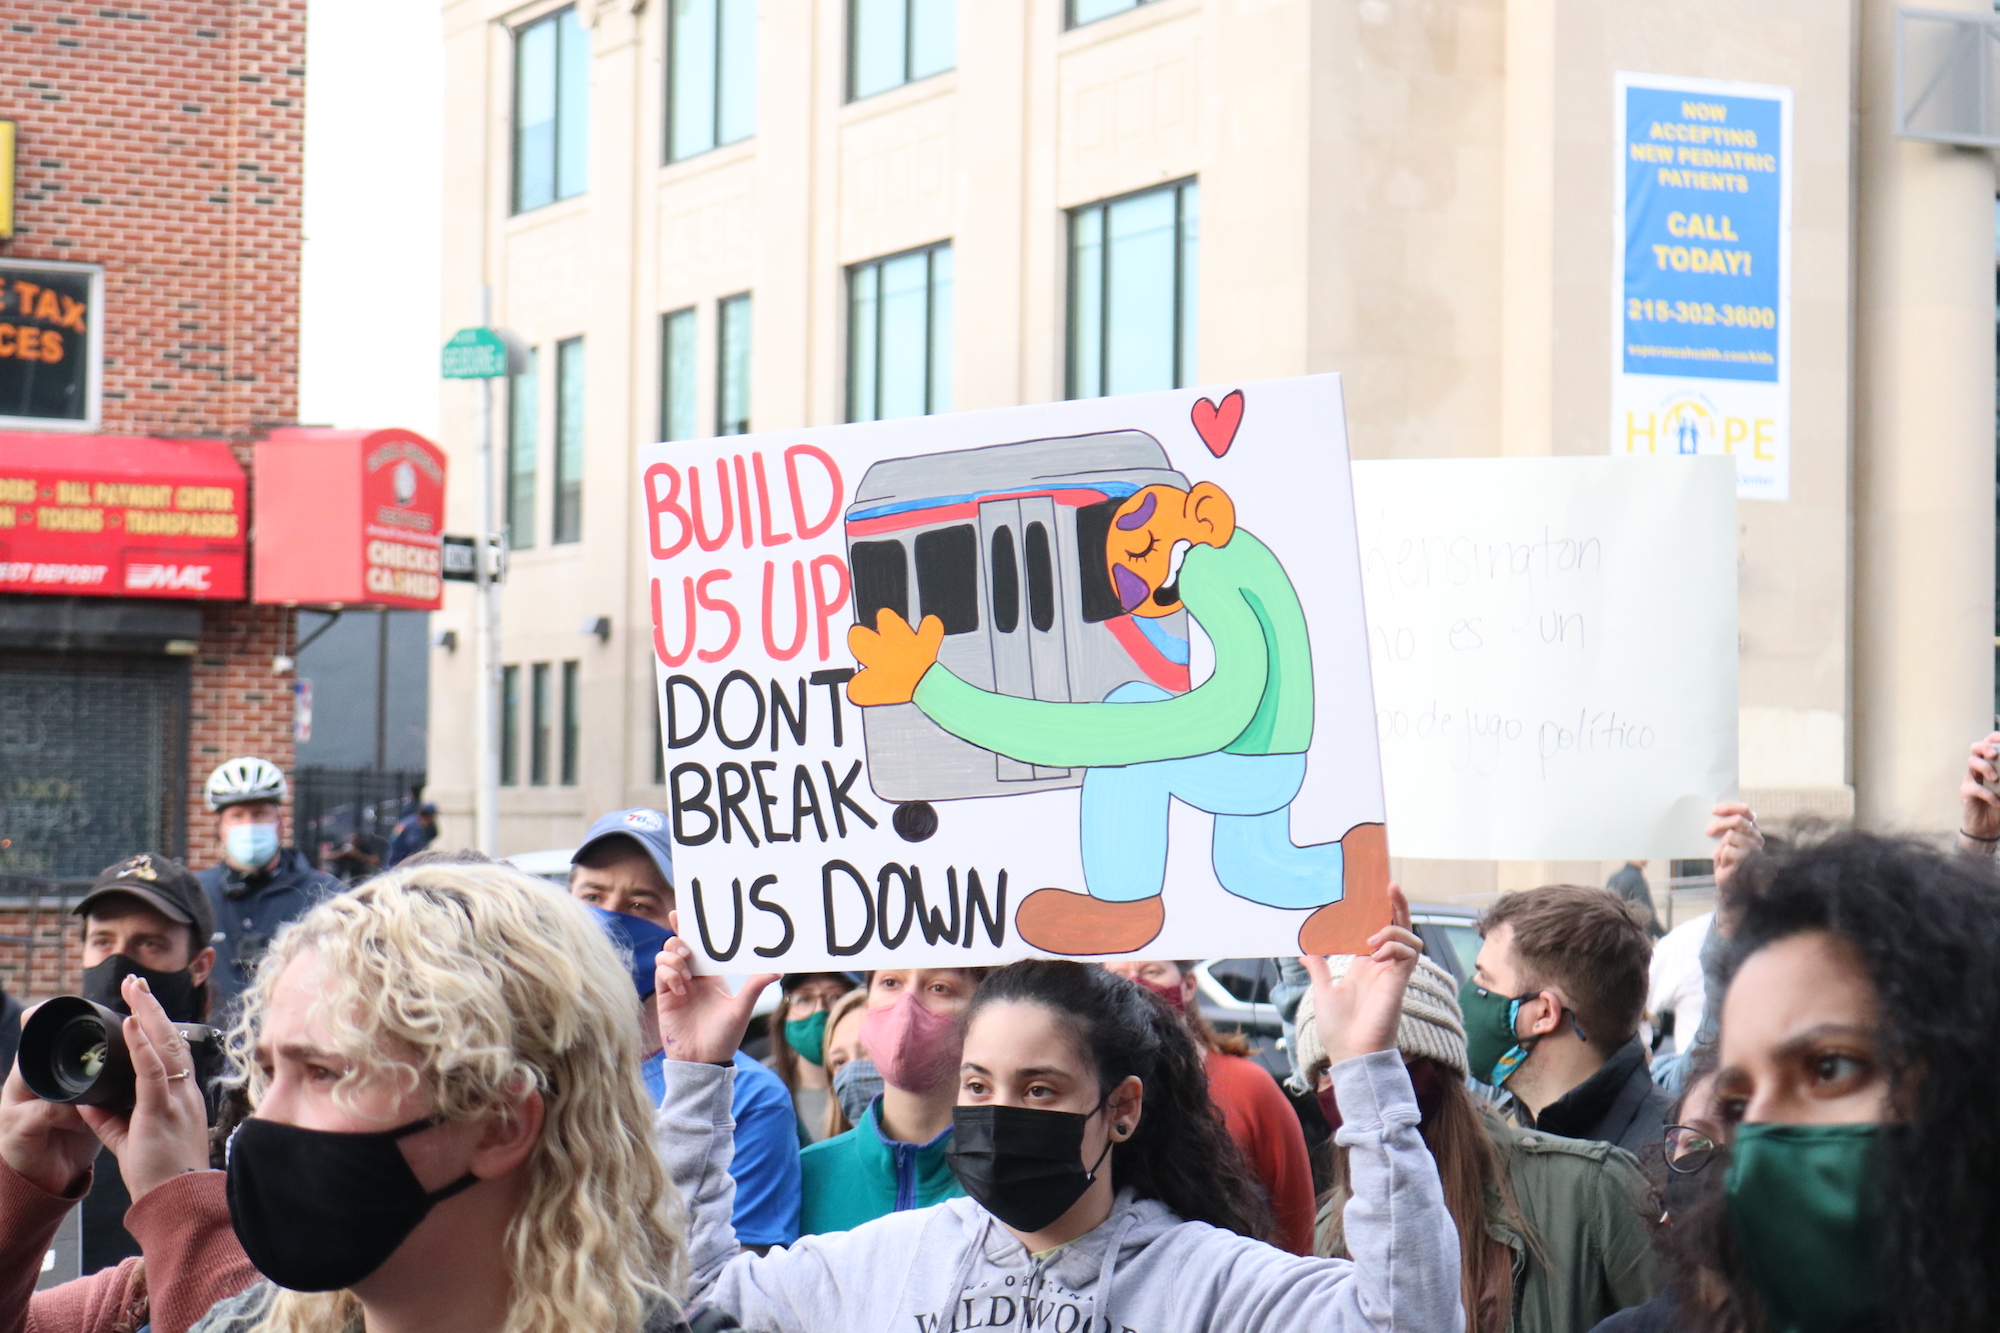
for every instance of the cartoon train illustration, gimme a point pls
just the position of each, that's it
(1005, 545)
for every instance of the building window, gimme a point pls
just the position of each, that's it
(1132, 293)
(1089, 11)
(551, 109)
(523, 406)
(677, 375)
(510, 726)
(568, 526)
(899, 335)
(538, 724)
(572, 721)
(893, 42)
(732, 388)
(711, 74)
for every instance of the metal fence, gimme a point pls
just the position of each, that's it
(343, 817)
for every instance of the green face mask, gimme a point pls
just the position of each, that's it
(807, 1036)
(1491, 1048)
(1805, 1202)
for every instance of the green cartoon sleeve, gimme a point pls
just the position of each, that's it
(1101, 735)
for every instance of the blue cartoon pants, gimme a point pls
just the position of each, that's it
(1125, 813)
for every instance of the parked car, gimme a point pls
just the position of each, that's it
(1235, 993)
(552, 866)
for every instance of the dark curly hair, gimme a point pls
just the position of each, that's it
(1927, 929)
(1180, 1153)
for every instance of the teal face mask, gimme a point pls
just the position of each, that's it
(1805, 1202)
(807, 1036)
(1492, 1051)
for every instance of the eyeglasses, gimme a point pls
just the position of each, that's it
(804, 1003)
(1688, 1150)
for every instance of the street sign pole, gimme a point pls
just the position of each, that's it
(481, 354)
(486, 628)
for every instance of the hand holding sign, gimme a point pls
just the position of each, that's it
(699, 1019)
(1361, 1012)
(893, 657)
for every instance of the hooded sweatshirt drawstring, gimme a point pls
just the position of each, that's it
(963, 1276)
(1108, 1266)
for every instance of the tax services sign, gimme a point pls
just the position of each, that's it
(51, 354)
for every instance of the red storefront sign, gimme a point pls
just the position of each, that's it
(349, 517)
(120, 516)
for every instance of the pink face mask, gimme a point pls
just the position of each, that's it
(913, 1048)
(1170, 991)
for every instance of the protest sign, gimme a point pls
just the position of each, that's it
(1554, 648)
(1113, 694)
(1702, 278)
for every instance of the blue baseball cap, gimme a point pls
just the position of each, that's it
(648, 828)
(636, 937)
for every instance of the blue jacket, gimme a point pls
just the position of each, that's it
(409, 838)
(766, 1165)
(248, 913)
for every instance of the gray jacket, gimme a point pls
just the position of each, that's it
(1143, 1270)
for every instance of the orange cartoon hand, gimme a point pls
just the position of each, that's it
(893, 658)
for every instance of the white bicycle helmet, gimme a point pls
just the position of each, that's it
(243, 780)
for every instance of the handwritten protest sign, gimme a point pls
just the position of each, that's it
(1112, 693)
(1554, 643)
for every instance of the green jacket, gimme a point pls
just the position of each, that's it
(861, 1175)
(1259, 701)
(1591, 1254)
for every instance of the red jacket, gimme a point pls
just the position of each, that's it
(1267, 1131)
(191, 1260)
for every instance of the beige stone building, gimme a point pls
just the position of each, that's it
(679, 205)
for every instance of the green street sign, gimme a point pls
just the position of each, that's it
(475, 354)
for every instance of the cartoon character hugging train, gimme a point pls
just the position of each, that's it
(1054, 582)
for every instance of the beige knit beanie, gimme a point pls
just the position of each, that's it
(1432, 1026)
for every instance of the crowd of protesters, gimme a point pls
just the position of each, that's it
(458, 1098)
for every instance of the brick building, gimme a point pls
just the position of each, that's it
(157, 166)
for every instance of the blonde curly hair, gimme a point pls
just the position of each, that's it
(500, 984)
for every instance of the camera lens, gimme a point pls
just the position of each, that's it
(73, 1050)
(78, 1053)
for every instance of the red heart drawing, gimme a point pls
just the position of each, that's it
(1216, 424)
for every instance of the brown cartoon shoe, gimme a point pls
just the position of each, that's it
(1058, 921)
(1363, 909)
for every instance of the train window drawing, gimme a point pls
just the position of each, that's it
(1064, 645)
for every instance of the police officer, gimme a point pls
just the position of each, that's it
(261, 883)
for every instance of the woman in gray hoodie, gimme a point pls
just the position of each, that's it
(1066, 1066)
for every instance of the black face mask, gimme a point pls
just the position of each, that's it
(1023, 1165)
(1687, 1184)
(174, 990)
(320, 1211)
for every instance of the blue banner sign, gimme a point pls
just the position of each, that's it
(1702, 231)
(1703, 275)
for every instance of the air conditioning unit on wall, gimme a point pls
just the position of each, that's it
(1948, 77)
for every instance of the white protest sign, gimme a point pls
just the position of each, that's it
(1115, 692)
(1554, 649)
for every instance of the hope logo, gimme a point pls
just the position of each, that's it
(1690, 424)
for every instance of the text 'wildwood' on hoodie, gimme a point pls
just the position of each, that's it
(953, 1267)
